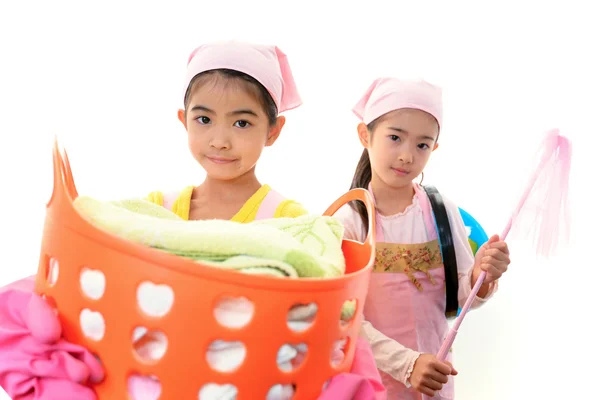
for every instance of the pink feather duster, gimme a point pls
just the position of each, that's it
(542, 212)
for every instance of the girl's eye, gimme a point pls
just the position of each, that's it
(203, 120)
(242, 124)
(423, 146)
(395, 138)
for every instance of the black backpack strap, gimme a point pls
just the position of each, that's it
(447, 248)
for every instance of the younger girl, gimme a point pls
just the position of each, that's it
(234, 93)
(405, 319)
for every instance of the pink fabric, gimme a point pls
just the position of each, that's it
(35, 363)
(361, 383)
(269, 205)
(414, 318)
(389, 94)
(267, 64)
(410, 227)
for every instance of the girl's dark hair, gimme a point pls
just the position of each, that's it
(254, 87)
(361, 179)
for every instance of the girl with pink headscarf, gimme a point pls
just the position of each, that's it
(233, 95)
(411, 293)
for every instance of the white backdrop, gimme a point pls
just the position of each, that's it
(107, 79)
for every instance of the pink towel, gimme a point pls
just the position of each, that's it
(35, 362)
(363, 382)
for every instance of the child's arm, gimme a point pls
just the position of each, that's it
(424, 372)
(390, 356)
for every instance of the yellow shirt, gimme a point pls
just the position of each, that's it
(181, 206)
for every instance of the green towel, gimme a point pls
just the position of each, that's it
(307, 246)
(138, 206)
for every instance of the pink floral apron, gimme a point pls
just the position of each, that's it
(407, 300)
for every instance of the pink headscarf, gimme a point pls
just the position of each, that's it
(389, 94)
(267, 64)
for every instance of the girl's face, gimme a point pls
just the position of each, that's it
(400, 145)
(227, 128)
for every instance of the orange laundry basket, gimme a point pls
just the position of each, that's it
(70, 244)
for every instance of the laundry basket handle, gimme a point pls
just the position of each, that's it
(360, 195)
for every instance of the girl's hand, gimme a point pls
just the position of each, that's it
(492, 257)
(430, 374)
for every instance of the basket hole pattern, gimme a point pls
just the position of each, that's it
(338, 352)
(143, 387)
(223, 356)
(92, 324)
(92, 283)
(233, 312)
(291, 356)
(301, 316)
(281, 392)
(212, 391)
(149, 346)
(155, 300)
(348, 313)
(53, 270)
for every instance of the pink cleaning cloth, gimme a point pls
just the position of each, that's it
(267, 64)
(363, 382)
(35, 362)
(389, 94)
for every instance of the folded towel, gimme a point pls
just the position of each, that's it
(307, 246)
(145, 207)
(35, 362)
